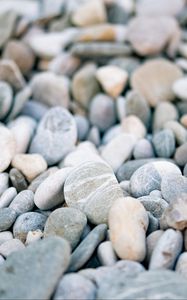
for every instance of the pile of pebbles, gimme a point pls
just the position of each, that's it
(93, 149)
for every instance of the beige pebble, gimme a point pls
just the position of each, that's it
(10, 72)
(133, 125)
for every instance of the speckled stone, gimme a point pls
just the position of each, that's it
(7, 218)
(154, 205)
(173, 186)
(164, 143)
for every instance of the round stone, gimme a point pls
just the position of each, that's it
(7, 218)
(66, 222)
(156, 206)
(7, 146)
(164, 143)
(143, 149)
(56, 135)
(82, 127)
(23, 202)
(6, 97)
(181, 155)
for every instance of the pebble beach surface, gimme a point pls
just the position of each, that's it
(93, 149)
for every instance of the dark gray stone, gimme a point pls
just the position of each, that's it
(153, 223)
(82, 126)
(7, 218)
(18, 180)
(154, 205)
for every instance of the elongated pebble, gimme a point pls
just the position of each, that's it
(7, 197)
(23, 202)
(7, 218)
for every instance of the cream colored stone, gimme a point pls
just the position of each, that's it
(133, 125)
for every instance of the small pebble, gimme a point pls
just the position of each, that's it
(164, 143)
(152, 240)
(7, 218)
(18, 180)
(11, 246)
(106, 254)
(23, 202)
(33, 236)
(7, 197)
(143, 150)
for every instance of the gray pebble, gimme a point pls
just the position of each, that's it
(156, 193)
(125, 185)
(6, 98)
(143, 149)
(106, 254)
(23, 202)
(154, 205)
(164, 143)
(34, 110)
(82, 127)
(7, 197)
(181, 155)
(11, 246)
(179, 131)
(173, 186)
(94, 136)
(5, 236)
(153, 223)
(181, 266)
(185, 170)
(163, 113)
(111, 133)
(7, 218)
(18, 180)
(152, 240)
(2, 260)
(39, 179)
(3, 182)
(29, 221)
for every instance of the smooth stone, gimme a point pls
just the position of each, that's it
(164, 143)
(111, 133)
(125, 185)
(18, 180)
(156, 193)
(6, 99)
(33, 236)
(182, 264)
(129, 63)
(148, 177)
(82, 127)
(102, 112)
(31, 165)
(151, 241)
(156, 206)
(7, 218)
(23, 202)
(164, 112)
(34, 109)
(143, 150)
(10, 72)
(39, 179)
(87, 247)
(56, 135)
(173, 186)
(2, 260)
(121, 216)
(5, 236)
(75, 286)
(7, 24)
(179, 88)
(106, 254)
(181, 155)
(92, 188)
(167, 250)
(133, 125)
(28, 222)
(7, 197)
(30, 9)
(23, 129)
(185, 170)
(64, 64)
(50, 192)
(112, 79)
(154, 223)
(10, 247)
(160, 7)
(67, 223)
(118, 150)
(183, 120)
(57, 88)
(94, 136)
(4, 182)
(84, 84)
(47, 260)
(179, 131)
(51, 10)
(7, 146)
(154, 80)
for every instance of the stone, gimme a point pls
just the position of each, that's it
(56, 89)
(154, 223)
(179, 88)
(87, 247)
(94, 136)
(178, 130)
(51, 10)
(6, 99)
(56, 135)
(149, 35)
(181, 264)
(67, 223)
(7, 146)
(122, 225)
(152, 240)
(143, 150)
(34, 109)
(4, 184)
(89, 13)
(160, 7)
(180, 155)
(5, 236)
(50, 192)
(167, 250)
(102, 112)
(18, 180)
(111, 133)
(31, 165)
(23, 202)
(135, 104)
(154, 80)
(7, 24)
(11, 246)
(21, 54)
(183, 120)
(7, 218)
(133, 125)
(112, 79)
(84, 84)
(148, 177)
(118, 150)
(33, 236)
(92, 188)
(64, 64)
(164, 112)
(39, 179)
(28, 222)
(106, 254)
(82, 127)
(7, 197)
(164, 143)
(173, 186)
(75, 286)
(47, 260)
(156, 206)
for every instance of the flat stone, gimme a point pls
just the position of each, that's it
(154, 205)
(154, 80)
(11, 246)
(67, 223)
(18, 180)
(7, 24)
(23, 202)
(160, 7)
(122, 224)
(47, 261)
(6, 99)
(164, 143)
(164, 112)
(7, 146)
(7, 218)
(180, 155)
(7, 197)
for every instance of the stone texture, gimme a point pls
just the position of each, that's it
(164, 143)
(181, 155)
(18, 180)
(160, 7)
(133, 125)
(10, 72)
(6, 99)
(173, 186)
(23, 202)
(143, 150)
(155, 205)
(7, 23)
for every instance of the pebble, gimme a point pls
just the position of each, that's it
(181, 264)
(31, 165)
(183, 120)
(167, 250)
(112, 79)
(164, 143)
(87, 247)
(133, 125)
(26, 222)
(5, 236)
(160, 7)
(6, 99)
(2, 260)
(154, 223)
(11, 246)
(49, 257)
(118, 150)
(106, 254)
(156, 206)
(126, 245)
(7, 146)
(33, 236)
(179, 88)
(178, 130)
(100, 190)
(56, 135)
(7, 24)
(94, 136)
(23, 202)
(4, 182)
(50, 192)
(111, 133)
(64, 64)
(148, 177)
(7, 218)
(67, 223)
(75, 286)
(151, 241)
(154, 80)
(164, 112)
(102, 112)
(82, 127)
(84, 84)
(173, 186)
(7, 197)
(34, 109)
(39, 179)
(18, 180)
(143, 149)
(181, 155)
(56, 87)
